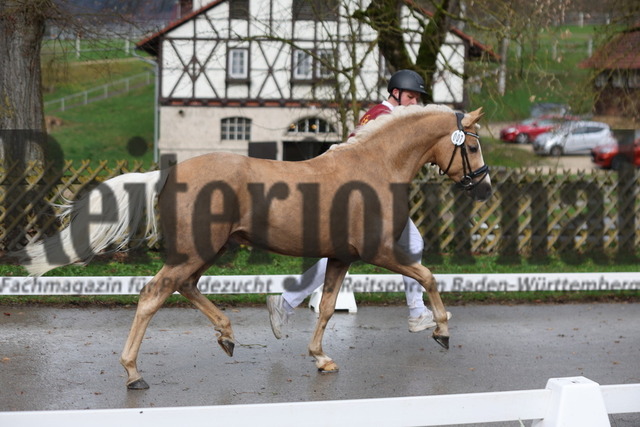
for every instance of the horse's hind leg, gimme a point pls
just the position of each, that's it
(152, 296)
(220, 322)
(336, 270)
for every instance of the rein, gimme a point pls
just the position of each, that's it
(467, 182)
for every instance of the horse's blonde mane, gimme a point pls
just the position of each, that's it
(363, 132)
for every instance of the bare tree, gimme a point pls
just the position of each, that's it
(23, 137)
(22, 24)
(22, 29)
(384, 17)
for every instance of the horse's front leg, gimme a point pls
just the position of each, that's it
(441, 333)
(424, 276)
(336, 270)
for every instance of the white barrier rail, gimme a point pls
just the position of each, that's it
(567, 402)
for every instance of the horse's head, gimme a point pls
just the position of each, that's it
(459, 156)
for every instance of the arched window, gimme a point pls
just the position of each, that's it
(311, 125)
(235, 128)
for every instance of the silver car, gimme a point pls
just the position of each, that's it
(573, 138)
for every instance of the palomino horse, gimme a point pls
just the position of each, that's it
(293, 208)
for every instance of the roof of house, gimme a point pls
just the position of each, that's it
(622, 52)
(150, 44)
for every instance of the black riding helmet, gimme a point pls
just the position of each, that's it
(406, 80)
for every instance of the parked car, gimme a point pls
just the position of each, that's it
(613, 155)
(573, 138)
(527, 130)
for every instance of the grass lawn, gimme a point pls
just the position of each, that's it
(245, 260)
(102, 130)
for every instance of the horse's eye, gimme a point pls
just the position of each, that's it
(473, 148)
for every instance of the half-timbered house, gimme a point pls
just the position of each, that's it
(274, 79)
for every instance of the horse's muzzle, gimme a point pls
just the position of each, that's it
(481, 191)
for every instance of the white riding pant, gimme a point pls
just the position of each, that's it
(410, 240)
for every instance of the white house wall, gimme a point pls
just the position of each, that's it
(193, 131)
(448, 84)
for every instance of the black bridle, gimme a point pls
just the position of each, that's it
(469, 175)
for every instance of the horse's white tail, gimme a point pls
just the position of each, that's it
(108, 215)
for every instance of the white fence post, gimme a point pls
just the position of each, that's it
(575, 402)
(346, 301)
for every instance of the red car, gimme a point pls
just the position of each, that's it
(613, 155)
(527, 130)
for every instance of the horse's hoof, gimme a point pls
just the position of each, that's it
(442, 340)
(329, 368)
(227, 345)
(138, 385)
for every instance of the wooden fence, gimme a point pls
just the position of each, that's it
(530, 213)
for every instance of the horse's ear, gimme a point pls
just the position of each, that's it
(472, 118)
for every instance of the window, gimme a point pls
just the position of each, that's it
(235, 128)
(315, 10)
(594, 129)
(239, 9)
(602, 79)
(311, 125)
(302, 65)
(306, 67)
(618, 79)
(384, 73)
(324, 65)
(580, 130)
(302, 10)
(238, 67)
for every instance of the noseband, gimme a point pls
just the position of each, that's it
(467, 182)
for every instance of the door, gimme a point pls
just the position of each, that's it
(263, 150)
(576, 140)
(585, 137)
(595, 135)
(303, 150)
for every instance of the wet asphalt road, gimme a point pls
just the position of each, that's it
(54, 358)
